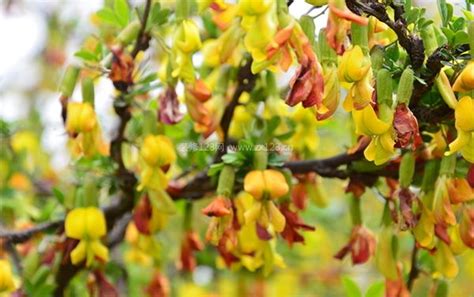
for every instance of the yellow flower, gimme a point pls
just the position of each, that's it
(157, 150)
(6, 277)
(259, 20)
(81, 117)
(24, 140)
(381, 146)
(255, 7)
(186, 42)
(444, 261)
(260, 182)
(240, 122)
(354, 65)
(305, 136)
(465, 80)
(464, 142)
(187, 37)
(424, 230)
(83, 126)
(87, 225)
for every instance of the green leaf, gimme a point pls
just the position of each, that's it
(443, 11)
(458, 24)
(158, 16)
(107, 15)
(351, 288)
(122, 12)
(214, 169)
(461, 37)
(86, 55)
(376, 290)
(59, 195)
(233, 158)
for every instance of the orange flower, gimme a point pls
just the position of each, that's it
(265, 182)
(219, 207)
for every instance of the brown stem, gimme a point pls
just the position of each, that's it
(410, 42)
(414, 270)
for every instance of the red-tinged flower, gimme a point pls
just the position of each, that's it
(397, 287)
(441, 231)
(121, 70)
(147, 218)
(168, 112)
(339, 23)
(470, 176)
(356, 187)
(406, 198)
(159, 286)
(142, 216)
(293, 224)
(191, 243)
(102, 288)
(219, 207)
(298, 195)
(307, 85)
(466, 227)
(361, 246)
(281, 46)
(406, 126)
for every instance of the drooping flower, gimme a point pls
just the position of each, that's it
(265, 186)
(406, 127)
(225, 49)
(444, 260)
(148, 218)
(197, 97)
(305, 138)
(189, 245)
(168, 112)
(361, 245)
(355, 68)
(159, 285)
(293, 224)
(381, 146)
(157, 152)
(186, 41)
(465, 80)
(144, 249)
(459, 190)
(424, 230)
(82, 125)
(307, 85)
(259, 20)
(87, 225)
(465, 127)
(442, 209)
(6, 277)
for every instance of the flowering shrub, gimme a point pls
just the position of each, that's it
(230, 130)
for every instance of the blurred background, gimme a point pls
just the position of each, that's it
(38, 39)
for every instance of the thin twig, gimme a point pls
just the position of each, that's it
(414, 271)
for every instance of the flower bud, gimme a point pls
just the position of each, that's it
(405, 86)
(407, 169)
(6, 277)
(384, 255)
(69, 81)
